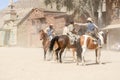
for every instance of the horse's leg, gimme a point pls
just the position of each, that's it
(60, 55)
(83, 56)
(79, 51)
(56, 52)
(47, 54)
(54, 55)
(64, 53)
(44, 54)
(98, 54)
(73, 52)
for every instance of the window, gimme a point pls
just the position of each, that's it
(116, 9)
(42, 20)
(116, 13)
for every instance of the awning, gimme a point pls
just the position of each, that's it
(114, 26)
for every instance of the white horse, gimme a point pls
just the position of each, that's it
(87, 42)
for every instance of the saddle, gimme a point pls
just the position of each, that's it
(72, 39)
(95, 40)
(95, 37)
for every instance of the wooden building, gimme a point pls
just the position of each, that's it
(29, 26)
(113, 39)
(28, 20)
(113, 24)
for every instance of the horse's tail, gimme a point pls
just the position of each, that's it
(78, 48)
(52, 42)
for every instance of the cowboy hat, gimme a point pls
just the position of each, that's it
(89, 19)
(51, 24)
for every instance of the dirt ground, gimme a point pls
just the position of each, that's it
(28, 64)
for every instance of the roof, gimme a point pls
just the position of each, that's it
(114, 26)
(33, 4)
(24, 12)
(55, 13)
(23, 7)
(20, 12)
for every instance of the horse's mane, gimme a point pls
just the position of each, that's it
(44, 33)
(41, 30)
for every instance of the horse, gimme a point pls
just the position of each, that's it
(88, 42)
(73, 49)
(45, 42)
(63, 42)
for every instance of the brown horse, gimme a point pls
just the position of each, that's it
(45, 42)
(87, 42)
(62, 42)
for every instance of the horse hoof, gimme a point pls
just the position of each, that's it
(74, 60)
(48, 60)
(44, 59)
(83, 64)
(60, 61)
(98, 62)
(77, 64)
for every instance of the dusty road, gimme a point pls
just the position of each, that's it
(28, 64)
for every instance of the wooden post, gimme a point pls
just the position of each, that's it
(100, 14)
(108, 11)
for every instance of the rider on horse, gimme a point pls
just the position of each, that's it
(50, 31)
(71, 32)
(65, 29)
(92, 30)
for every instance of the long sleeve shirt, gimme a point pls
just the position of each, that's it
(90, 26)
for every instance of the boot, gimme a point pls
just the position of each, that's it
(99, 43)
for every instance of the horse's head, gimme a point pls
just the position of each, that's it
(42, 34)
(103, 36)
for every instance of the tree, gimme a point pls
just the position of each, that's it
(78, 7)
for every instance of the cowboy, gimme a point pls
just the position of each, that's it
(71, 32)
(50, 31)
(65, 29)
(92, 29)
